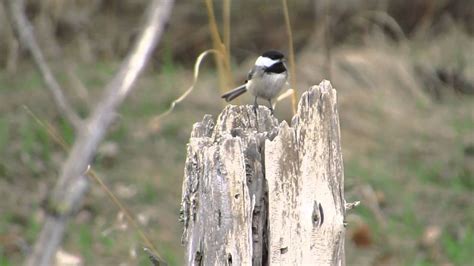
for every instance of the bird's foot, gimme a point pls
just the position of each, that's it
(271, 107)
(272, 112)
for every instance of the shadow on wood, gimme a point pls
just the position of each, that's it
(259, 192)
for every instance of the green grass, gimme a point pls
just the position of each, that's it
(4, 260)
(463, 125)
(4, 133)
(66, 131)
(399, 180)
(459, 249)
(169, 255)
(422, 262)
(148, 192)
(36, 146)
(33, 229)
(85, 241)
(30, 81)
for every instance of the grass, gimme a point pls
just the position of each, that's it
(459, 248)
(413, 187)
(4, 134)
(401, 210)
(383, 148)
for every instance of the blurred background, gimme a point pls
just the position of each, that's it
(404, 72)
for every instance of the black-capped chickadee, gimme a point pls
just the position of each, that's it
(265, 80)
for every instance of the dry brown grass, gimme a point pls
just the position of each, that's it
(380, 92)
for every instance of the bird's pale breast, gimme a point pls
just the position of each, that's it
(270, 88)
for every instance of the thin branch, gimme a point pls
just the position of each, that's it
(23, 29)
(72, 184)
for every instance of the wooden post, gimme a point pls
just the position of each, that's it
(259, 192)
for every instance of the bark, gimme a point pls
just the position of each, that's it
(260, 192)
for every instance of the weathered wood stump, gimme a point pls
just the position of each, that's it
(259, 192)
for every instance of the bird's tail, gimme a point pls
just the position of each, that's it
(229, 96)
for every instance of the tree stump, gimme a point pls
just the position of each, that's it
(260, 192)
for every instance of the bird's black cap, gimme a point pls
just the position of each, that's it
(273, 54)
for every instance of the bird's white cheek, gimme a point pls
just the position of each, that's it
(265, 61)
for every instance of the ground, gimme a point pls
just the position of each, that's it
(408, 154)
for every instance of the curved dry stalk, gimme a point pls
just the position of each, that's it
(291, 55)
(72, 184)
(197, 64)
(23, 29)
(289, 92)
(226, 25)
(223, 62)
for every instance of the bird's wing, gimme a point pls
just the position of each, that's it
(251, 73)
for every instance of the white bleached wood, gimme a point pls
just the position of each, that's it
(304, 171)
(256, 192)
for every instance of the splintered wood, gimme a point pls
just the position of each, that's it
(259, 192)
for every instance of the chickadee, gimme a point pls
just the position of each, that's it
(265, 80)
